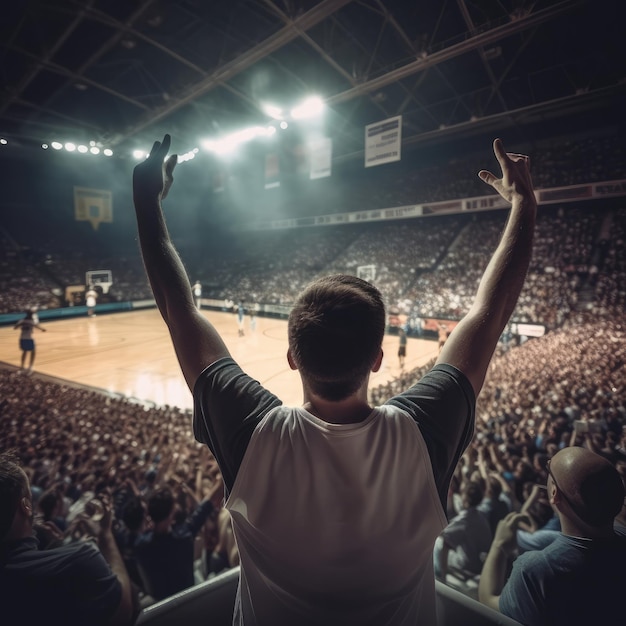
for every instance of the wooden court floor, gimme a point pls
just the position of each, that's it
(131, 353)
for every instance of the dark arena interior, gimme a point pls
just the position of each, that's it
(314, 137)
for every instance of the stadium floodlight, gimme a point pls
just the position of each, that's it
(82, 149)
(70, 147)
(3, 141)
(187, 156)
(107, 152)
(57, 145)
(45, 146)
(284, 125)
(93, 150)
(311, 107)
(139, 154)
(228, 143)
(275, 112)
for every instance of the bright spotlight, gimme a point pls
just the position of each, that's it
(139, 154)
(44, 146)
(107, 152)
(70, 147)
(93, 149)
(82, 149)
(311, 107)
(229, 143)
(56, 145)
(284, 125)
(273, 111)
(3, 141)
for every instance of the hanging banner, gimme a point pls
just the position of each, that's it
(382, 141)
(320, 157)
(92, 205)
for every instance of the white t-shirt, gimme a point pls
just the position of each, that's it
(382, 496)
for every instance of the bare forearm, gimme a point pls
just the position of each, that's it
(493, 576)
(504, 277)
(196, 342)
(473, 341)
(111, 553)
(165, 270)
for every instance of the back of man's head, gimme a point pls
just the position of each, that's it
(591, 485)
(494, 487)
(47, 503)
(161, 504)
(12, 489)
(472, 494)
(133, 514)
(336, 329)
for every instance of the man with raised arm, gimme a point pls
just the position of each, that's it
(336, 505)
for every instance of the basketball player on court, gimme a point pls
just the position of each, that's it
(90, 300)
(27, 343)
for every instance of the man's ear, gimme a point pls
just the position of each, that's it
(27, 505)
(290, 360)
(553, 496)
(378, 362)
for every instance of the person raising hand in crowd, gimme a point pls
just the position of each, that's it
(307, 484)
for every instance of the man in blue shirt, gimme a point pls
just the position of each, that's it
(580, 577)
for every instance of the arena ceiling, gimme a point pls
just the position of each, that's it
(124, 71)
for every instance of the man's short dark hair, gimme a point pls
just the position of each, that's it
(47, 503)
(494, 487)
(12, 488)
(336, 328)
(473, 493)
(161, 504)
(133, 513)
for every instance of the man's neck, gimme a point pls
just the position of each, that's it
(162, 528)
(584, 531)
(352, 410)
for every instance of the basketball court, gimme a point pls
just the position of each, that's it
(131, 354)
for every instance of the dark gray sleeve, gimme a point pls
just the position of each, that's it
(228, 405)
(443, 405)
(96, 591)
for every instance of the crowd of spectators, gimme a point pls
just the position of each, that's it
(412, 258)
(567, 388)
(78, 445)
(425, 268)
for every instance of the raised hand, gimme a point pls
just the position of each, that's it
(516, 183)
(153, 177)
(506, 531)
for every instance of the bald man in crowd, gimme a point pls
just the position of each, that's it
(579, 578)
